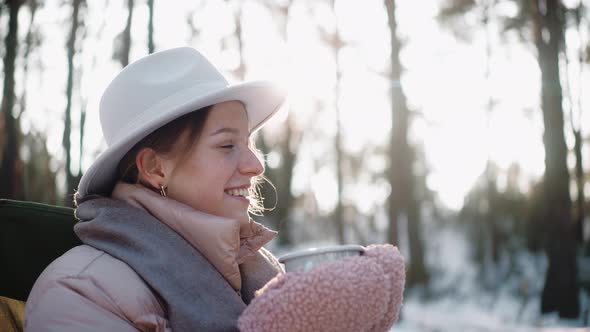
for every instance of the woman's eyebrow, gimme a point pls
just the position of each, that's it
(226, 130)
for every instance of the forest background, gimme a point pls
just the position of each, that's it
(451, 128)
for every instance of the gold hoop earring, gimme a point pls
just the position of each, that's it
(163, 191)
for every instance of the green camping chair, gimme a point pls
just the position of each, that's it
(32, 235)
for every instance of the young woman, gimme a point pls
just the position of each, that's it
(164, 218)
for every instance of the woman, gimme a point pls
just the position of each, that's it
(168, 242)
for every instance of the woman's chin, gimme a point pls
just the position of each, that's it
(236, 214)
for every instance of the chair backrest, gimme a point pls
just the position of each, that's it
(32, 235)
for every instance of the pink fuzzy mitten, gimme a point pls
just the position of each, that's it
(352, 294)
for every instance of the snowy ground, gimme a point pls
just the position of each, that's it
(455, 299)
(478, 313)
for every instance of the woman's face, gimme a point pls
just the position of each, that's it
(216, 176)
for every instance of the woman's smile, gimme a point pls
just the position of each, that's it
(241, 194)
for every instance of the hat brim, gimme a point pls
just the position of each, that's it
(262, 99)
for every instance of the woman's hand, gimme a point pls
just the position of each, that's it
(361, 293)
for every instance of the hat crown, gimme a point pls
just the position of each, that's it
(148, 82)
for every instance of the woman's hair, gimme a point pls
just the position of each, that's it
(163, 141)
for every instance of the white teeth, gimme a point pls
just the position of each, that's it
(238, 192)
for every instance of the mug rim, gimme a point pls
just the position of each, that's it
(321, 250)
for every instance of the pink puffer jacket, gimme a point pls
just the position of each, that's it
(352, 294)
(89, 290)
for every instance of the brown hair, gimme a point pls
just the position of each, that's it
(163, 141)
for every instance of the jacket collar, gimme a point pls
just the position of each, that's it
(225, 242)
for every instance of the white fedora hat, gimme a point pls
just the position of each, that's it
(157, 89)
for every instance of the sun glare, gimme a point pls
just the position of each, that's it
(444, 81)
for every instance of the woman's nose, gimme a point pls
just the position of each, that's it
(250, 164)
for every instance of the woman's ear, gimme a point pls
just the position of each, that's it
(151, 168)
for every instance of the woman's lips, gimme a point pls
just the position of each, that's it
(239, 198)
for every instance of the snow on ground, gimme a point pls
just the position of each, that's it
(456, 300)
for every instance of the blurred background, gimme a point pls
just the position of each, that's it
(451, 128)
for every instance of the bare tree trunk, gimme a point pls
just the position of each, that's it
(289, 157)
(397, 134)
(338, 212)
(9, 175)
(283, 175)
(583, 55)
(281, 178)
(491, 191)
(127, 35)
(71, 48)
(491, 226)
(492, 196)
(240, 72)
(576, 128)
(33, 5)
(337, 44)
(580, 182)
(26, 183)
(81, 152)
(151, 46)
(401, 176)
(561, 289)
(285, 197)
(417, 273)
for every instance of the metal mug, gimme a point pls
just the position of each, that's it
(306, 260)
